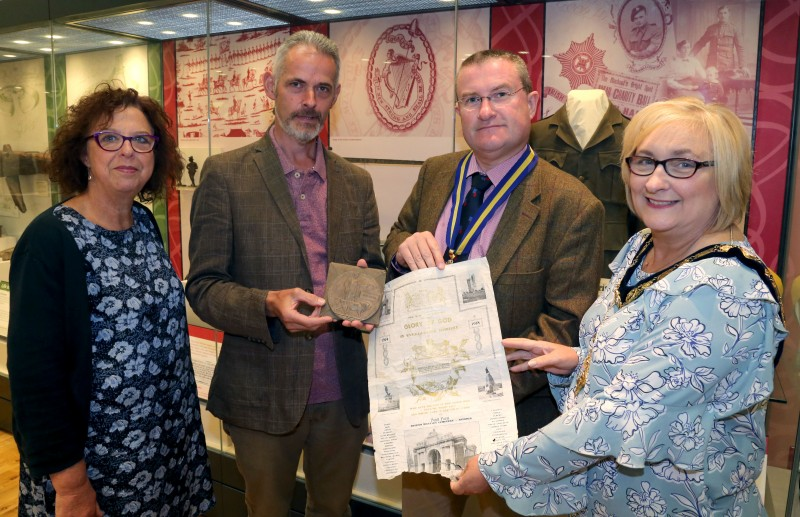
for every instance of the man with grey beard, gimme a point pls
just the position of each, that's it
(267, 219)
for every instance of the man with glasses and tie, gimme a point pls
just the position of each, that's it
(540, 229)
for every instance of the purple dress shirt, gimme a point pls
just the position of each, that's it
(309, 191)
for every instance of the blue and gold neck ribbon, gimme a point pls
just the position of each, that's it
(495, 199)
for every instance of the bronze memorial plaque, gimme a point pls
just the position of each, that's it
(354, 293)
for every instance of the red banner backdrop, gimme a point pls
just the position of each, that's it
(773, 127)
(173, 199)
(520, 29)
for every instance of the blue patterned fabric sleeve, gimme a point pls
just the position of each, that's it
(560, 385)
(676, 393)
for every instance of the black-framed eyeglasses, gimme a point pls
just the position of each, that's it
(680, 168)
(497, 98)
(113, 141)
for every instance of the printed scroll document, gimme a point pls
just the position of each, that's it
(439, 385)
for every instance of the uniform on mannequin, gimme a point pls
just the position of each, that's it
(584, 138)
(585, 110)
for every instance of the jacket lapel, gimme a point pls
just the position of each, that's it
(269, 166)
(443, 185)
(336, 191)
(519, 216)
(563, 130)
(606, 127)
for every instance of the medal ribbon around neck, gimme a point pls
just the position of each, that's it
(502, 190)
(625, 293)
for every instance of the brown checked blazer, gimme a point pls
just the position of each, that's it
(545, 259)
(246, 240)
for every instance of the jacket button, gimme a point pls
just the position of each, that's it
(309, 337)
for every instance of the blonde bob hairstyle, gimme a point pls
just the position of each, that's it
(730, 146)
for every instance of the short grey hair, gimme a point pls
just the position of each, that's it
(318, 41)
(486, 55)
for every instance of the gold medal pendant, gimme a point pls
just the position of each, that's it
(452, 255)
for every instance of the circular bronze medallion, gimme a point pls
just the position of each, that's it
(354, 296)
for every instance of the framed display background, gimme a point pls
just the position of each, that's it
(523, 29)
(219, 79)
(601, 53)
(23, 105)
(23, 134)
(121, 67)
(398, 83)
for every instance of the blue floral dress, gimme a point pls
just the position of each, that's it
(145, 451)
(665, 414)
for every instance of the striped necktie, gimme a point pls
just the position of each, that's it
(471, 207)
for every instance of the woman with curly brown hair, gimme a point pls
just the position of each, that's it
(105, 408)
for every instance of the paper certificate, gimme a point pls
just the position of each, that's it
(439, 386)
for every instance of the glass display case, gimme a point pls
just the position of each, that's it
(204, 60)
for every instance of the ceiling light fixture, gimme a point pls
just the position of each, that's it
(332, 11)
(9, 55)
(167, 32)
(21, 42)
(45, 49)
(116, 42)
(190, 15)
(234, 23)
(145, 23)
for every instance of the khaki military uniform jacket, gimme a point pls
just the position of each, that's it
(597, 166)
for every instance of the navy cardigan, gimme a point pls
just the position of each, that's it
(50, 346)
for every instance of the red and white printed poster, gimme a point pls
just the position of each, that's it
(642, 51)
(397, 99)
(230, 94)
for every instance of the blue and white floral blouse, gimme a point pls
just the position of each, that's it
(669, 419)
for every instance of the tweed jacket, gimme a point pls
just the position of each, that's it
(246, 240)
(545, 256)
(597, 166)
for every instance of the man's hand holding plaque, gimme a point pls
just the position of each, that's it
(354, 294)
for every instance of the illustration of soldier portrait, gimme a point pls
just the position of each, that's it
(641, 28)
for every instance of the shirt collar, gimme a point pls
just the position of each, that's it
(289, 167)
(499, 171)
